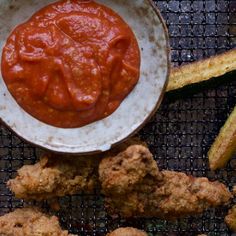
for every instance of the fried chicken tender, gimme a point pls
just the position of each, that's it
(127, 232)
(121, 172)
(30, 222)
(134, 187)
(56, 176)
(230, 219)
(234, 191)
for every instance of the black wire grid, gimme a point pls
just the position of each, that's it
(179, 135)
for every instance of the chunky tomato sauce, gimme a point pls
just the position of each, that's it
(72, 63)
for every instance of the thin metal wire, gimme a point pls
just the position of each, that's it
(179, 135)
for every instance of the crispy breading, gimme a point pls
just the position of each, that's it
(230, 219)
(129, 167)
(225, 144)
(30, 222)
(202, 70)
(56, 176)
(127, 232)
(234, 191)
(134, 187)
(130, 179)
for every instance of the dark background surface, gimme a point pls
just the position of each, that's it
(180, 134)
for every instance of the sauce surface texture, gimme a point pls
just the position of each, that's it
(72, 63)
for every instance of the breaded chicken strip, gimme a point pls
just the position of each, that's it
(119, 173)
(134, 187)
(230, 219)
(234, 191)
(56, 176)
(30, 222)
(127, 232)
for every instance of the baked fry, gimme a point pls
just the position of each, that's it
(225, 144)
(230, 219)
(202, 70)
(134, 187)
(127, 232)
(30, 222)
(56, 176)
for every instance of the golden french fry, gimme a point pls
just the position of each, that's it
(225, 144)
(202, 70)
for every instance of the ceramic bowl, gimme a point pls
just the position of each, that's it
(134, 112)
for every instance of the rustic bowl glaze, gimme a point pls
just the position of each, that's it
(134, 112)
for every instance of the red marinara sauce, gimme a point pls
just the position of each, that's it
(72, 63)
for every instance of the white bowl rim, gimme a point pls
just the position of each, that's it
(135, 131)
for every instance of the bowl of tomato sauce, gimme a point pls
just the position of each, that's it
(81, 76)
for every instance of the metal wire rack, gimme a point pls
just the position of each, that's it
(179, 135)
